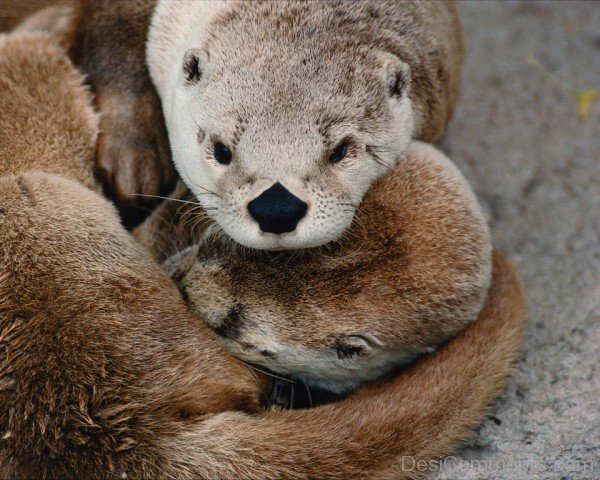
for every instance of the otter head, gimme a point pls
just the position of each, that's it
(262, 313)
(280, 137)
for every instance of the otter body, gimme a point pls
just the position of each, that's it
(93, 365)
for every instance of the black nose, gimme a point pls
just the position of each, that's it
(277, 210)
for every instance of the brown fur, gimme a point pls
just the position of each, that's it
(64, 125)
(100, 353)
(106, 40)
(12, 12)
(103, 371)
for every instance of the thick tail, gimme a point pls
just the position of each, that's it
(385, 430)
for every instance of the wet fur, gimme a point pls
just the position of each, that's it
(104, 371)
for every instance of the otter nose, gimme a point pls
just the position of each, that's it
(277, 210)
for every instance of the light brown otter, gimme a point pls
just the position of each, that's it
(104, 372)
(99, 354)
(281, 115)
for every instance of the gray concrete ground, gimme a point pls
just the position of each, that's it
(536, 168)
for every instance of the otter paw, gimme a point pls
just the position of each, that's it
(133, 159)
(204, 284)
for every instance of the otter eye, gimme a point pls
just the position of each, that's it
(338, 153)
(352, 347)
(222, 154)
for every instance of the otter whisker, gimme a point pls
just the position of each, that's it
(208, 192)
(200, 186)
(263, 389)
(310, 402)
(201, 222)
(269, 374)
(372, 151)
(192, 117)
(164, 198)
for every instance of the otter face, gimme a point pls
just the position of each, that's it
(337, 354)
(280, 144)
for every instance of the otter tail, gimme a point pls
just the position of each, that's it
(385, 430)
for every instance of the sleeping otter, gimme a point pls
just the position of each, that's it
(411, 272)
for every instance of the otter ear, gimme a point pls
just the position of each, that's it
(352, 346)
(193, 60)
(397, 78)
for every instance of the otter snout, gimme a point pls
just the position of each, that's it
(277, 210)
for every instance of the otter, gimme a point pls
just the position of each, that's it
(281, 115)
(92, 361)
(412, 271)
(104, 372)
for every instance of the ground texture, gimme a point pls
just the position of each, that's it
(535, 166)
